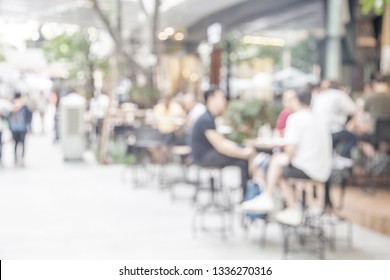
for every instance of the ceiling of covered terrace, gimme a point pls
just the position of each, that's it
(193, 16)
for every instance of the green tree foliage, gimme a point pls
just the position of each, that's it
(74, 49)
(304, 54)
(373, 5)
(68, 48)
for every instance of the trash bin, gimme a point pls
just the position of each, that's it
(72, 126)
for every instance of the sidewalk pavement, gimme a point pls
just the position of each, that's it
(50, 209)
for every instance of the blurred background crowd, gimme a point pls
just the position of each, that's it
(280, 89)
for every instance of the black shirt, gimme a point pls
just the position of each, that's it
(199, 143)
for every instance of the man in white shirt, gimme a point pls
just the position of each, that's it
(335, 106)
(307, 155)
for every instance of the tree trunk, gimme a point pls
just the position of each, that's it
(136, 67)
(155, 44)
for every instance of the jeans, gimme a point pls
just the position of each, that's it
(19, 138)
(347, 140)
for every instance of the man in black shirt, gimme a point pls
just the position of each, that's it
(210, 148)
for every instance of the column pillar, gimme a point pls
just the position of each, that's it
(385, 41)
(333, 55)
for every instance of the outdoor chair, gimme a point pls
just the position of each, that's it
(319, 225)
(181, 155)
(379, 167)
(218, 202)
(145, 138)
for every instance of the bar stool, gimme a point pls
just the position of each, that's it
(181, 154)
(331, 215)
(315, 222)
(310, 228)
(218, 202)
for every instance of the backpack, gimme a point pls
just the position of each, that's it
(253, 190)
(19, 120)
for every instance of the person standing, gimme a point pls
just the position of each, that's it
(19, 122)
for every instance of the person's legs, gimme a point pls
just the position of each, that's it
(288, 193)
(213, 158)
(22, 142)
(292, 215)
(294, 173)
(264, 203)
(275, 169)
(42, 115)
(346, 139)
(15, 136)
(56, 127)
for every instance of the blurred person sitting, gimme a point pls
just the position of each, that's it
(209, 147)
(169, 118)
(336, 107)
(5, 109)
(262, 160)
(19, 122)
(307, 155)
(377, 105)
(285, 113)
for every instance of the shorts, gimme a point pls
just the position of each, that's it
(293, 172)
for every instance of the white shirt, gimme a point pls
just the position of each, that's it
(196, 112)
(334, 106)
(313, 144)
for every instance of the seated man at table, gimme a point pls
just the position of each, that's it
(377, 106)
(209, 147)
(307, 155)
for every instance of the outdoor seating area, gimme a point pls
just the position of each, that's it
(111, 198)
(240, 129)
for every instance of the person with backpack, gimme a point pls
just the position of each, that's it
(19, 121)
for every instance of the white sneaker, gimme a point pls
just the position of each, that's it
(260, 204)
(289, 216)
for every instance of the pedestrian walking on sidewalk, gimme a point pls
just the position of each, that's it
(19, 122)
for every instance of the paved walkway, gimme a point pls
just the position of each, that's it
(55, 210)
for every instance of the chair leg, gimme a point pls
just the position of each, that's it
(214, 205)
(264, 234)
